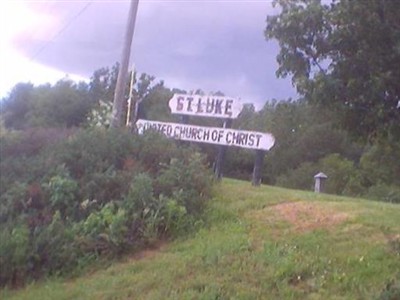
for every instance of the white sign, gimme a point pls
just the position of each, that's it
(205, 106)
(211, 135)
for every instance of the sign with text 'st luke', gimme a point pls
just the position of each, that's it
(205, 106)
(211, 135)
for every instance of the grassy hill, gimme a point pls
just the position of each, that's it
(257, 243)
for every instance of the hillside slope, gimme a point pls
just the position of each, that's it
(258, 243)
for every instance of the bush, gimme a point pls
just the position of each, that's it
(187, 180)
(343, 177)
(339, 171)
(14, 254)
(105, 230)
(62, 191)
(380, 163)
(300, 178)
(383, 192)
(97, 193)
(53, 249)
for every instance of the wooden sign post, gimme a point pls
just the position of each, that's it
(258, 166)
(219, 163)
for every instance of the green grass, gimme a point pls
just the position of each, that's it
(249, 250)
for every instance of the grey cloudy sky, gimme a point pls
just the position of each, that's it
(211, 45)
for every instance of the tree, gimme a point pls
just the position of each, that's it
(102, 83)
(65, 104)
(16, 106)
(345, 55)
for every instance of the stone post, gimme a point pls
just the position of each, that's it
(320, 179)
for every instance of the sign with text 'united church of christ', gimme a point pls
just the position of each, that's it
(211, 135)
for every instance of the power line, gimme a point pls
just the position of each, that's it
(64, 28)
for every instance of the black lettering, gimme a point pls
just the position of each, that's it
(199, 131)
(240, 138)
(164, 129)
(185, 132)
(176, 130)
(258, 136)
(251, 140)
(169, 130)
(218, 106)
(234, 138)
(228, 138)
(189, 100)
(206, 135)
(244, 138)
(210, 105)
(200, 106)
(194, 133)
(214, 135)
(179, 103)
(228, 107)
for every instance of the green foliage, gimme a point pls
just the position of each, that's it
(187, 180)
(341, 175)
(176, 217)
(105, 230)
(340, 171)
(140, 197)
(343, 54)
(380, 163)
(299, 178)
(63, 105)
(92, 194)
(15, 109)
(53, 249)
(101, 115)
(250, 250)
(14, 253)
(383, 192)
(63, 191)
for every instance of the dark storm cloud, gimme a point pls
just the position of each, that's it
(211, 45)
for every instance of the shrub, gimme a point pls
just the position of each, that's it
(300, 178)
(63, 191)
(384, 192)
(380, 163)
(98, 192)
(187, 180)
(53, 249)
(339, 171)
(343, 177)
(105, 230)
(14, 254)
(141, 195)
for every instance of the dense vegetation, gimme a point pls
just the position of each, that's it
(73, 190)
(69, 197)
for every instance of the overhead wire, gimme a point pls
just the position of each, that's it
(61, 31)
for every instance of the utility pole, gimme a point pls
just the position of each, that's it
(119, 95)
